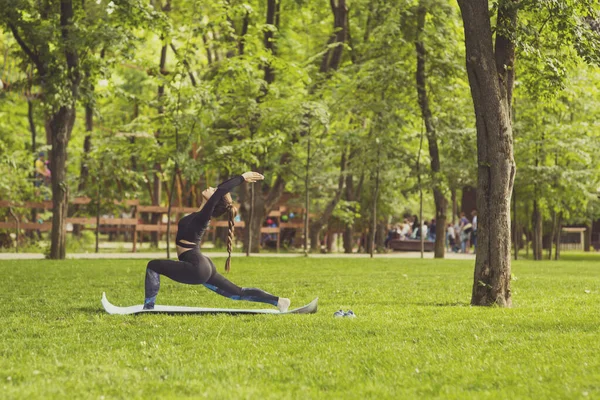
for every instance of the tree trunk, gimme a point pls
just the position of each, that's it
(307, 198)
(491, 94)
(317, 225)
(375, 199)
(333, 56)
(258, 216)
(587, 241)
(348, 236)
(454, 205)
(269, 42)
(421, 77)
(557, 240)
(60, 125)
(84, 171)
(348, 239)
(552, 235)
(516, 238)
(380, 235)
(537, 231)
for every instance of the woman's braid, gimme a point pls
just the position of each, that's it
(232, 212)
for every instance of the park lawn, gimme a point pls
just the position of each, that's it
(415, 336)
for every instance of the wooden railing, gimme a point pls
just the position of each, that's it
(133, 225)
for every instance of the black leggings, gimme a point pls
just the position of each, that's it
(193, 268)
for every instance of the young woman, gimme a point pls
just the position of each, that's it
(194, 268)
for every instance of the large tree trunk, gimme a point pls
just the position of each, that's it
(60, 125)
(491, 89)
(421, 77)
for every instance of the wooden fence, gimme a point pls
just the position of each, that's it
(134, 225)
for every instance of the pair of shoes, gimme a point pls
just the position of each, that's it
(347, 314)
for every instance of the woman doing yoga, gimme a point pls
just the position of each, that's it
(194, 268)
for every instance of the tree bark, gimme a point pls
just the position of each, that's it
(60, 124)
(454, 205)
(333, 56)
(491, 94)
(587, 242)
(375, 199)
(552, 235)
(537, 231)
(348, 236)
(317, 225)
(269, 42)
(440, 200)
(87, 146)
(557, 240)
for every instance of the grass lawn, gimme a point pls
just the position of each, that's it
(415, 336)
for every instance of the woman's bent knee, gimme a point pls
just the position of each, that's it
(154, 265)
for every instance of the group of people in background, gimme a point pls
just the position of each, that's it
(460, 237)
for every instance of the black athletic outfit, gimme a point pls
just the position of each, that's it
(194, 268)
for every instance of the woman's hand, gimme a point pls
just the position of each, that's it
(252, 177)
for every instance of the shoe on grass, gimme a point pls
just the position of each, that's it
(338, 314)
(349, 314)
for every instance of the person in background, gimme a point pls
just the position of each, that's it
(42, 172)
(425, 229)
(451, 238)
(432, 227)
(405, 231)
(416, 232)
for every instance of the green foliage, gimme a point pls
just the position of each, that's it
(216, 114)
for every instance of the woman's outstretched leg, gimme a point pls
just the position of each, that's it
(219, 284)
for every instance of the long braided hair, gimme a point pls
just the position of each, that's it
(225, 205)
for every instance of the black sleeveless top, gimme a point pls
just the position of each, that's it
(192, 227)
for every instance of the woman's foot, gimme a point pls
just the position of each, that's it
(283, 304)
(149, 303)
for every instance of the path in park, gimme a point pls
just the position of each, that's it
(39, 256)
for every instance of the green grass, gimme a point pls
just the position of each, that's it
(415, 335)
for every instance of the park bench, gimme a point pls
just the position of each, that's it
(410, 245)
